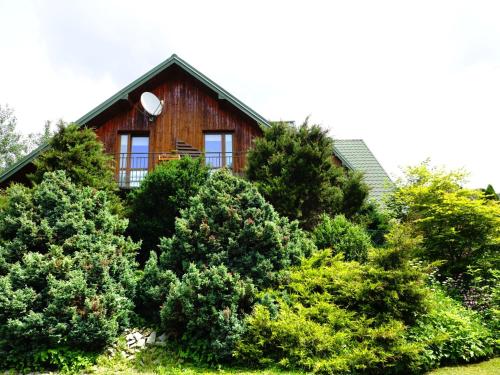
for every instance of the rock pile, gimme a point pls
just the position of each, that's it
(135, 341)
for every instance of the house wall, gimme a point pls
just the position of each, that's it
(190, 110)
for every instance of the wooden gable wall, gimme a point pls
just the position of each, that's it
(190, 110)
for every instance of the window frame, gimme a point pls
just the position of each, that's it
(223, 153)
(128, 169)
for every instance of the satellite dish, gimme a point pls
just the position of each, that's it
(151, 104)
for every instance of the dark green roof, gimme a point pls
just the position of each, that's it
(356, 155)
(123, 94)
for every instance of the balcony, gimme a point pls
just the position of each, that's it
(133, 167)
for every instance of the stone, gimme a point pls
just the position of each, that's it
(137, 336)
(141, 343)
(161, 338)
(151, 338)
(130, 337)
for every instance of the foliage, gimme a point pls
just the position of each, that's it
(230, 223)
(34, 140)
(458, 225)
(479, 290)
(341, 317)
(11, 142)
(168, 361)
(65, 359)
(66, 271)
(491, 193)
(161, 196)
(153, 288)
(343, 237)
(81, 155)
(204, 311)
(293, 169)
(376, 220)
(227, 242)
(450, 333)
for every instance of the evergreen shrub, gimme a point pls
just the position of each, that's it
(66, 270)
(342, 236)
(157, 202)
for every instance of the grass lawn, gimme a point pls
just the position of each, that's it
(491, 367)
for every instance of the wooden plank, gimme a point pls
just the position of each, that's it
(190, 110)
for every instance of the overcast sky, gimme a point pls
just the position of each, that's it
(414, 79)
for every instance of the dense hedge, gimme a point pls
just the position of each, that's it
(66, 271)
(334, 317)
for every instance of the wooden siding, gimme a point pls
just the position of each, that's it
(190, 110)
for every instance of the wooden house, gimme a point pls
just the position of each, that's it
(198, 118)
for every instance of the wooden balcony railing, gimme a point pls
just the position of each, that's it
(131, 168)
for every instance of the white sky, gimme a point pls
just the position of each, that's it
(414, 79)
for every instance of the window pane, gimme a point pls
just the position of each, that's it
(213, 150)
(139, 157)
(122, 179)
(140, 144)
(123, 150)
(136, 177)
(229, 150)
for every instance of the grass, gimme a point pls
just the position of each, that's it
(491, 367)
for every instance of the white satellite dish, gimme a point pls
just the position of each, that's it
(151, 104)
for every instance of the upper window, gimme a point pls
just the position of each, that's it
(134, 159)
(219, 150)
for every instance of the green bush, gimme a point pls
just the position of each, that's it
(450, 333)
(153, 287)
(79, 152)
(459, 226)
(159, 199)
(343, 237)
(226, 243)
(230, 223)
(293, 169)
(340, 317)
(204, 311)
(376, 220)
(66, 271)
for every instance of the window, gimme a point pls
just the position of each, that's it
(134, 159)
(219, 150)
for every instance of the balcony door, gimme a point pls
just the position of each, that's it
(134, 159)
(219, 150)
